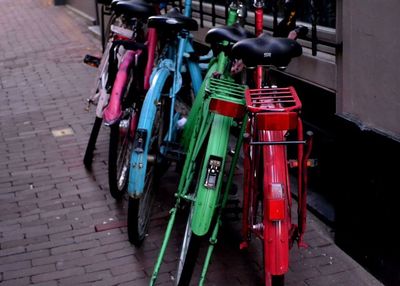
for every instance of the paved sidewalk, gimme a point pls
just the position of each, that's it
(49, 204)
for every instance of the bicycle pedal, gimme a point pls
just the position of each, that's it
(92, 61)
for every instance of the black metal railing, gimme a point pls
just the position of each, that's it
(323, 12)
(316, 13)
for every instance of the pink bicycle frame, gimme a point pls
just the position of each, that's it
(113, 111)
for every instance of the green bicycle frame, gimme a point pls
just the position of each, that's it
(216, 65)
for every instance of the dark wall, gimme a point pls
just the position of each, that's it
(357, 174)
(367, 201)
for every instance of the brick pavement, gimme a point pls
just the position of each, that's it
(49, 203)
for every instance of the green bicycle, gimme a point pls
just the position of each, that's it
(219, 106)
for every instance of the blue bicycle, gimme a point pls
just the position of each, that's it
(160, 120)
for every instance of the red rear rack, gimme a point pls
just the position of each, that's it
(272, 99)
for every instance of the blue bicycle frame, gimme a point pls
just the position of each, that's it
(171, 65)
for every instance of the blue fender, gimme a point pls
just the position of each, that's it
(138, 162)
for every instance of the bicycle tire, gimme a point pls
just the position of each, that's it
(136, 227)
(139, 208)
(278, 280)
(188, 257)
(121, 138)
(275, 171)
(257, 217)
(118, 162)
(188, 254)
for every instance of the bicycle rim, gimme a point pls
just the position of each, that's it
(121, 143)
(139, 216)
(118, 162)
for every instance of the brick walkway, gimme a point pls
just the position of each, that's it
(49, 204)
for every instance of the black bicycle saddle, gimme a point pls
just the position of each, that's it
(267, 50)
(232, 34)
(113, 3)
(174, 21)
(134, 8)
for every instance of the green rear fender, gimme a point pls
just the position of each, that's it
(207, 199)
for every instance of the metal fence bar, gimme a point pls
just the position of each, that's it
(213, 14)
(201, 14)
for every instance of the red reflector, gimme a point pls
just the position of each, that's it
(227, 108)
(276, 209)
(277, 121)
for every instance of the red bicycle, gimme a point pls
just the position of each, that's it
(273, 113)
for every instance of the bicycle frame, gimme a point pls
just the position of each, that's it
(113, 112)
(172, 65)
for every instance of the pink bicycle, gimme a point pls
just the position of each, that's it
(123, 80)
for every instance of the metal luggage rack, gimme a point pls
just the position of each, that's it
(227, 97)
(272, 100)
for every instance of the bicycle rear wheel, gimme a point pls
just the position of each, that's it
(188, 254)
(139, 208)
(122, 134)
(258, 213)
(275, 189)
(120, 148)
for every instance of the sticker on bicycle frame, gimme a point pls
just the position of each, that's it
(213, 170)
